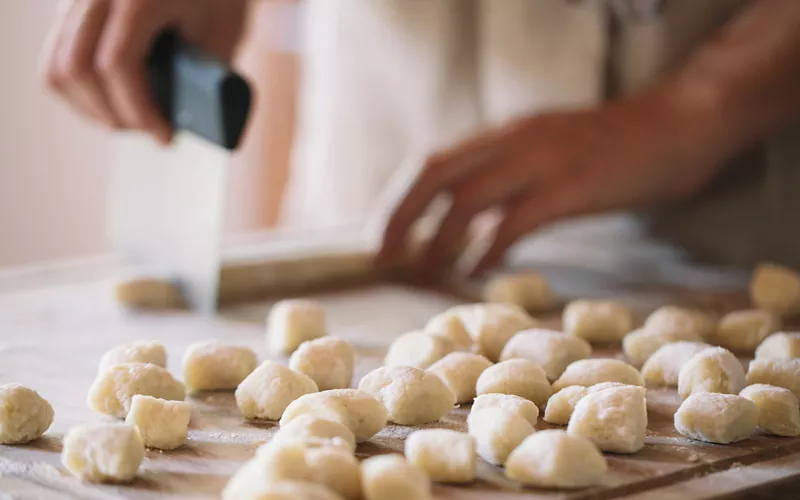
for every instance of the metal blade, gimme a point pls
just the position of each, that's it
(167, 210)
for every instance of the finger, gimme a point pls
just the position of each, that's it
(49, 69)
(121, 61)
(539, 207)
(76, 56)
(440, 171)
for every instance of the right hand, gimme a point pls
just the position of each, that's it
(95, 55)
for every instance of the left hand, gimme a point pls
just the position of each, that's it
(623, 155)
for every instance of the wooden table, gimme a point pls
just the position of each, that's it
(51, 338)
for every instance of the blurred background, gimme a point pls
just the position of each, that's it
(54, 165)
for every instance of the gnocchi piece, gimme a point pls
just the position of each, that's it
(328, 361)
(364, 415)
(212, 365)
(138, 351)
(446, 456)
(711, 370)
(778, 372)
(556, 459)
(561, 404)
(776, 289)
(597, 321)
(742, 331)
(614, 419)
(780, 345)
(449, 326)
(663, 367)
(162, 424)
(510, 403)
(104, 452)
(410, 395)
(675, 318)
(519, 377)
(290, 490)
(335, 469)
(639, 345)
(272, 464)
(24, 414)
(497, 432)
(266, 392)
(489, 326)
(310, 429)
(589, 372)
(391, 477)
(554, 351)
(112, 391)
(778, 409)
(527, 290)
(292, 322)
(460, 371)
(418, 349)
(716, 418)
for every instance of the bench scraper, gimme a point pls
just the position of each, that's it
(167, 206)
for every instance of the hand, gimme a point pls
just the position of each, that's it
(540, 169)
(96, 53)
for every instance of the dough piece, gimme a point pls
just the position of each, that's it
(780, 345)
(460, 371)
(716, 418)
(336, 469)
(589, 372)
(776, 289)
(272, 464)
(292, 322)
(614, 419)
(289, 490)
(446, 456)
(328, 361)
(390, 477)
(149, 292)
(674, 318)
(561, 404)
(449, 326)
(24, 414)
(663, 367)
(489, 326)
(104, 452)
(778, 409)
(138, 351)
(742, 331)
(418, 349)
(112, 390)
(554, 351)
(364, 415)
(597, 320)
(555, 459)
(639, 345)
(212, 365)
(778, 372)
(162, 424)
(527, 290)
(510, 403)
(410, 395)
(266, 392)
(312, 430)
(519, 377)
(497, 432)
(711, 370)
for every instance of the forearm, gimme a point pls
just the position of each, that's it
(744, 83)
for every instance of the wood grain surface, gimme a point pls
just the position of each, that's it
(52, 338)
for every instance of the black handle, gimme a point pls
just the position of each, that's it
(198, 93)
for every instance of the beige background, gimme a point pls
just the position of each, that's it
(54, 166)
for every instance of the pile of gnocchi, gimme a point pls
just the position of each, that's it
(493, 355)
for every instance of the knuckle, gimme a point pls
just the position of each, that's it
(78, 69)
